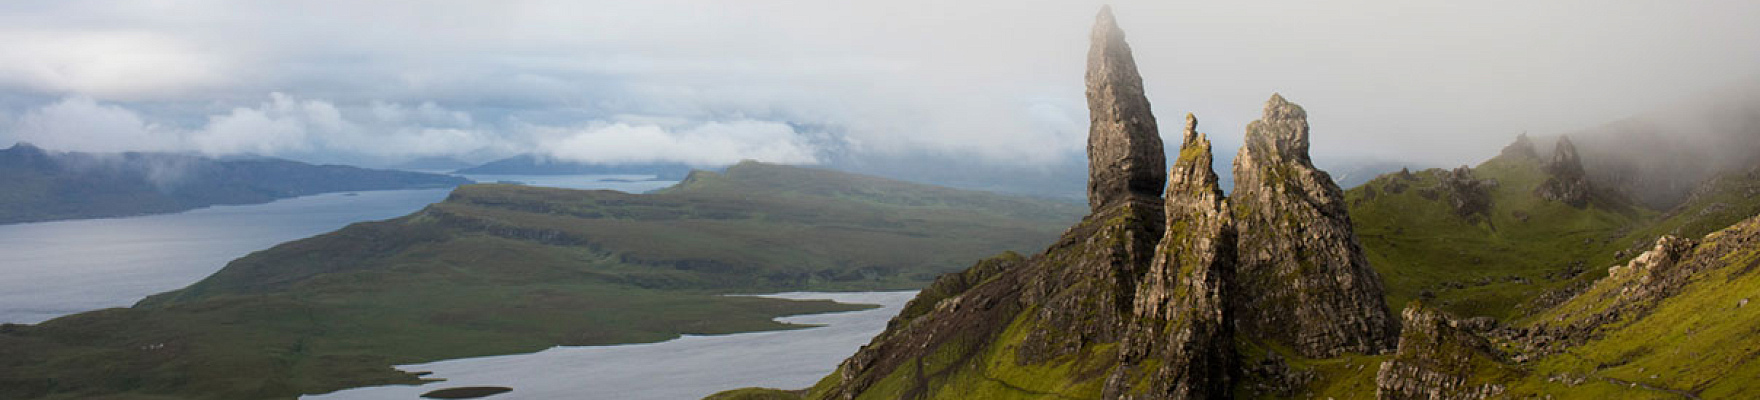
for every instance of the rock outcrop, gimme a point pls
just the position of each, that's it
(1124, 145)
(1437, 359)
(1567, 182)
(1187, 333)
(1469, 196)
(1522, 148)
(1145, 298)
(1302, 279)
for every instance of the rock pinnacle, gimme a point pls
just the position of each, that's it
(1124, 145)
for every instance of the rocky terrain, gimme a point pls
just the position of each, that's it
(1280, 288)
(1148, 295)
(1311, 286)
(1568, 183)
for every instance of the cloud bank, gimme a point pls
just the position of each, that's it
(705, 81)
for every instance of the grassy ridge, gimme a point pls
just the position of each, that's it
(498, 269)
(1486, 264)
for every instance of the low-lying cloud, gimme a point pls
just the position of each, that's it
(993, 81)
(712, 143)
(290, 127)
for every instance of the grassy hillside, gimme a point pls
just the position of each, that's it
(1692, 332)
(498, 269)
(1484, 263)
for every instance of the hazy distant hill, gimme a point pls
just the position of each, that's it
(36, 185)
(502, 269)
(530, 164)
(1659, 157)
(439, 163)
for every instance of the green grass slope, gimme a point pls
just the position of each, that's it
(1485, 264)
(1681, 329)
(498, 269)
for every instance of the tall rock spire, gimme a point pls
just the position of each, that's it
(1182, 322)
(1302, 279)
(1124, 145)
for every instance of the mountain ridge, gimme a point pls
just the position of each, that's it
(46, 186)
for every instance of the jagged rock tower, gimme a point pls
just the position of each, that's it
(1302, 279)
(1181, 302)
(1144, 298)
(1124, 145)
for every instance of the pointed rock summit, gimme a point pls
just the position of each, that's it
(1181, 303)
(1568, 183)
(1124, 146)
(1149, 296)
(1302, 279)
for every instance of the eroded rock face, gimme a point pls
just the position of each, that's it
(1568, 183)
(1148, 294)
(1180, 303)
(1301, 279)
(1124, 145)
(1436, 360)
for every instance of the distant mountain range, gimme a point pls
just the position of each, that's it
(531, 164)
(38, 185)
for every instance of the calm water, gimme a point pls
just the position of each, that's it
(51, 269)
(686, 368)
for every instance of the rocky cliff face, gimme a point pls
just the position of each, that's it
(1302, 277)
(1438, 359)
(1144, 298)
(1568, 183)
(1124, 145)
(1468, 195)
(1181, 300)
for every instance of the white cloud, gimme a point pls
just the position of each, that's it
(713, 143)
(288, 126)
(991, 80)
(84, 124)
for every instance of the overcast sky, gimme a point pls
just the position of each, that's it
(715, 81)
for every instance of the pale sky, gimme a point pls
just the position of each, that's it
(715, 81)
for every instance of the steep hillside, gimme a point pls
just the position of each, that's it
(1480, 241)
(36, 185)
(499, 269)
(1175, 294)
(1276, 290)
